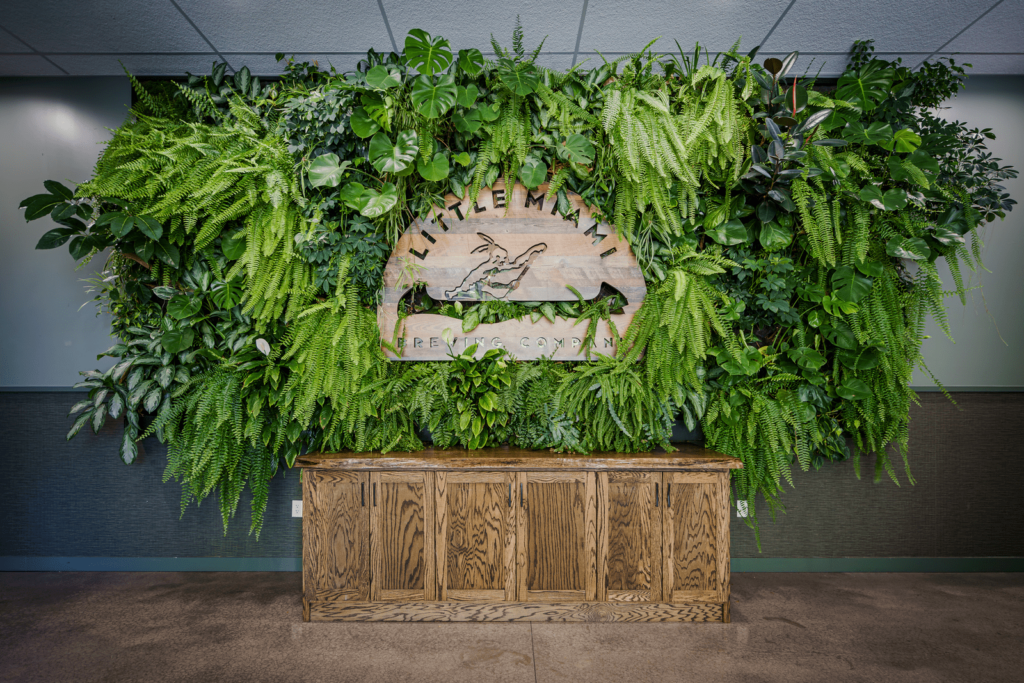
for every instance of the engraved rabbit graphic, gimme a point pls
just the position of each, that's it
(496, 277)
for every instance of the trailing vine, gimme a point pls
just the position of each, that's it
(788, 231)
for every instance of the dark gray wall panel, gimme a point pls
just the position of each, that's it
(75, 499)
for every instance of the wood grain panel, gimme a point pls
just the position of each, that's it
(685, 457)
(475, 595)
(555, 532)
(335, 536)
(692, 512)
(630, 552)
(629, 596)
(515, 612)
(402, 540)
(475, 540)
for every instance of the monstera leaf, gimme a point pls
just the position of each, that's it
(850, 286)
(876, 133)
(427, 54)
(903, 141)
(471, 61)
(577, 149)
(867, 86)
(394, 157)
(382, 79)
(520, 79)
(432, 99)
(327, 170)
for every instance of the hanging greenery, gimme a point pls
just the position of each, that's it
(789, 231)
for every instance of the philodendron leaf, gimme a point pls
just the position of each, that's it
(380, 78)
(577, 149)
(432, 99)
(468, 122)
(327, 170)
(867, 359)
(361, 123)
(233, 246)
(471, 61)
(182, 306)
(427, 54)
(462, 158)
(177, 340)
(471, 320)
(466, 97)
(533, 174)
(853, 389)
(875, 133)
(520, 79)
(388, 157)
(373, 203)
(894, 199)
(433, 170)
(806, 358)
(774, 236)
(913, 248)
(903, 141)
(729, 232)
(847, 284)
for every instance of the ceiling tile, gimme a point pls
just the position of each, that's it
(101, 26)
(470, 23)
(266, 65)
(275, 26)
(1001, 30)
(895, 25)
(627, 26)
(989, 65)
(9, 43)
(27, 65)
(138, 65)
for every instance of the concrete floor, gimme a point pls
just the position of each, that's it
(247, 627)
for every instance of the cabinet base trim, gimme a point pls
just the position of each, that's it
(514, 611)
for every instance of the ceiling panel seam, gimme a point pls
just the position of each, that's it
(37, 52)
(998, 2)
(778, 21)
(201, 34)
(387, 25)
(579, 34)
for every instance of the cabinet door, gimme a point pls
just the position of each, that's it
(556, 537)
(475, 532)
(629, 564)
(402, 552)
(335, 536)
(696, 563)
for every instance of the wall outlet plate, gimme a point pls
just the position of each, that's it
(741, 508)
(296, 508)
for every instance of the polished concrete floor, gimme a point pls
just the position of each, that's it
(207, 627)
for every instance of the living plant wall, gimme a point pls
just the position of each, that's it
(789, 231)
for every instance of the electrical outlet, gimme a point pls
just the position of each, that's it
(296, 508)
(741, 508)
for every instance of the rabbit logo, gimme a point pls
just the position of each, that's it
(497, 276)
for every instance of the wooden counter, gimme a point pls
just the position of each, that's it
(505, 534)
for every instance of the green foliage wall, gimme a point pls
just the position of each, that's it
(788, 231)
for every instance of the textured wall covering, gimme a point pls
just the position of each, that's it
(61, 499)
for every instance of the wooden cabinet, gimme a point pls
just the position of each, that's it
(511, 535)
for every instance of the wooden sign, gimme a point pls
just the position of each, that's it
(512, 246)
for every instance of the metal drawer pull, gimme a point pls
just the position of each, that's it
(374, 494)
(668, 495)
(522, 498)
(510, 495)
(362, 493)
(655, 495)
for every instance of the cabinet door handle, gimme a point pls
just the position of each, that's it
(510, 495)
(362, 493)
(374, 494)
(655, 495)
(668, 494)
(522, 498)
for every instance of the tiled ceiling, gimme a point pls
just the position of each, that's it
(172, 37)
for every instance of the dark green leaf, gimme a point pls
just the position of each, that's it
(434, 170)
(121, 224)
(806, 358)
(533, 174)
(327, 170)
(388, 157)
(729, 232)
(58, 190)
(362, 124)
(850, 286)
(380, 78)
(904, 141)
(150, 227)
(875, 133)
(913, 248)
(233, 246)
(431, 99)
(466, 97)
(373, 203)
(520, 79)
(427, 54)
(39, 205)
(176, 341)
(774, 236)
(79, 248)
(853, 389)
(471, 61)
(182, 306)
(577, 149)
(168, 253)
(54, 238)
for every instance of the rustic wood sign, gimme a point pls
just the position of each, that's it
(512, 246)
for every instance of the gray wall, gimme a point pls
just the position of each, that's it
(989, 332)
(49, 129)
